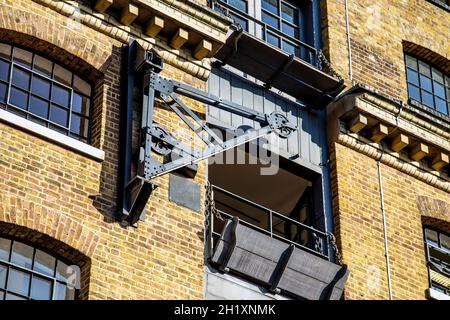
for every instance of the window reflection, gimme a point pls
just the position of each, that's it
(10, 296)
(21, 78)
(5, 51)
(270, 5)
(40, 87)
(22, 254)
(44, 263)
(43, 65)
(437, 245)
(30, 273)
(39, 107)
(22, 57)
(4, 70)
(289, 13)
(3, 89)
(427, 85)
(44, 92)
(58, 115)
(239, 4)
(239, 21)
(3, 270)
(18, 281)
(41, 289)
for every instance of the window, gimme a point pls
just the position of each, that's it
(427, 85)
(283, 24)
(437, 245)
(240, 5)
(29, 273)
(236, 9)
(44, 92)
(284, 17)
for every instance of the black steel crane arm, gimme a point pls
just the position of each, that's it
(156, 140)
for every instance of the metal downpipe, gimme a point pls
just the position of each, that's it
(386, 246)
(347, 28)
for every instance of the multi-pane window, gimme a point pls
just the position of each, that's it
(437, 246)
(242, 6)
(284, 17)
(428, 85)
(29, 273)
(44, 92)
(279, 22)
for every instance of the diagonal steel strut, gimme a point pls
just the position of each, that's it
(155, 140)
(168, 90)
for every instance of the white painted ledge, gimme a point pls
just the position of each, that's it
(52, 135)
(436, 295)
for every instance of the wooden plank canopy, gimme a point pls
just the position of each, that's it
(259, 257)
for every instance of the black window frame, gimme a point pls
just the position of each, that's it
(420, 87)
(437, 247)
(286, 38)
(305, 46)
(33, 73)
(31, 272)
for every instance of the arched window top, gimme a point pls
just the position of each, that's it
(30, 273)
(45, 92)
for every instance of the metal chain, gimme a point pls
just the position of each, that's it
(317, 242)
(210, 205)
(337, 254)
(322, 63)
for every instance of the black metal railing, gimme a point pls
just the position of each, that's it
(318, 241)
(261, 29)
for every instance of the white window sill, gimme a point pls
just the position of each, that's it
(51, 135)
(436, 295)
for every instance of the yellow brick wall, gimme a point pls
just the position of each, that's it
(71, 198)
(359, 225)
(380, 31)
(377, 30)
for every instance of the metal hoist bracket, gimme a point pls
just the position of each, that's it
(156, 142)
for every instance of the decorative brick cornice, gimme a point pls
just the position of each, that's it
(392, 133)
(209, 28)
(394, 115)
(393, 161)
(191, 9)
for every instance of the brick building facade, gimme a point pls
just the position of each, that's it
(62, 197)
(60, 179)
(375, 133)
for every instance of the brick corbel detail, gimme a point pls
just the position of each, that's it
(113, 29)
(393, 162)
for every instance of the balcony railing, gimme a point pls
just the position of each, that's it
(318, 242)
(252, 246)
(261, 30)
